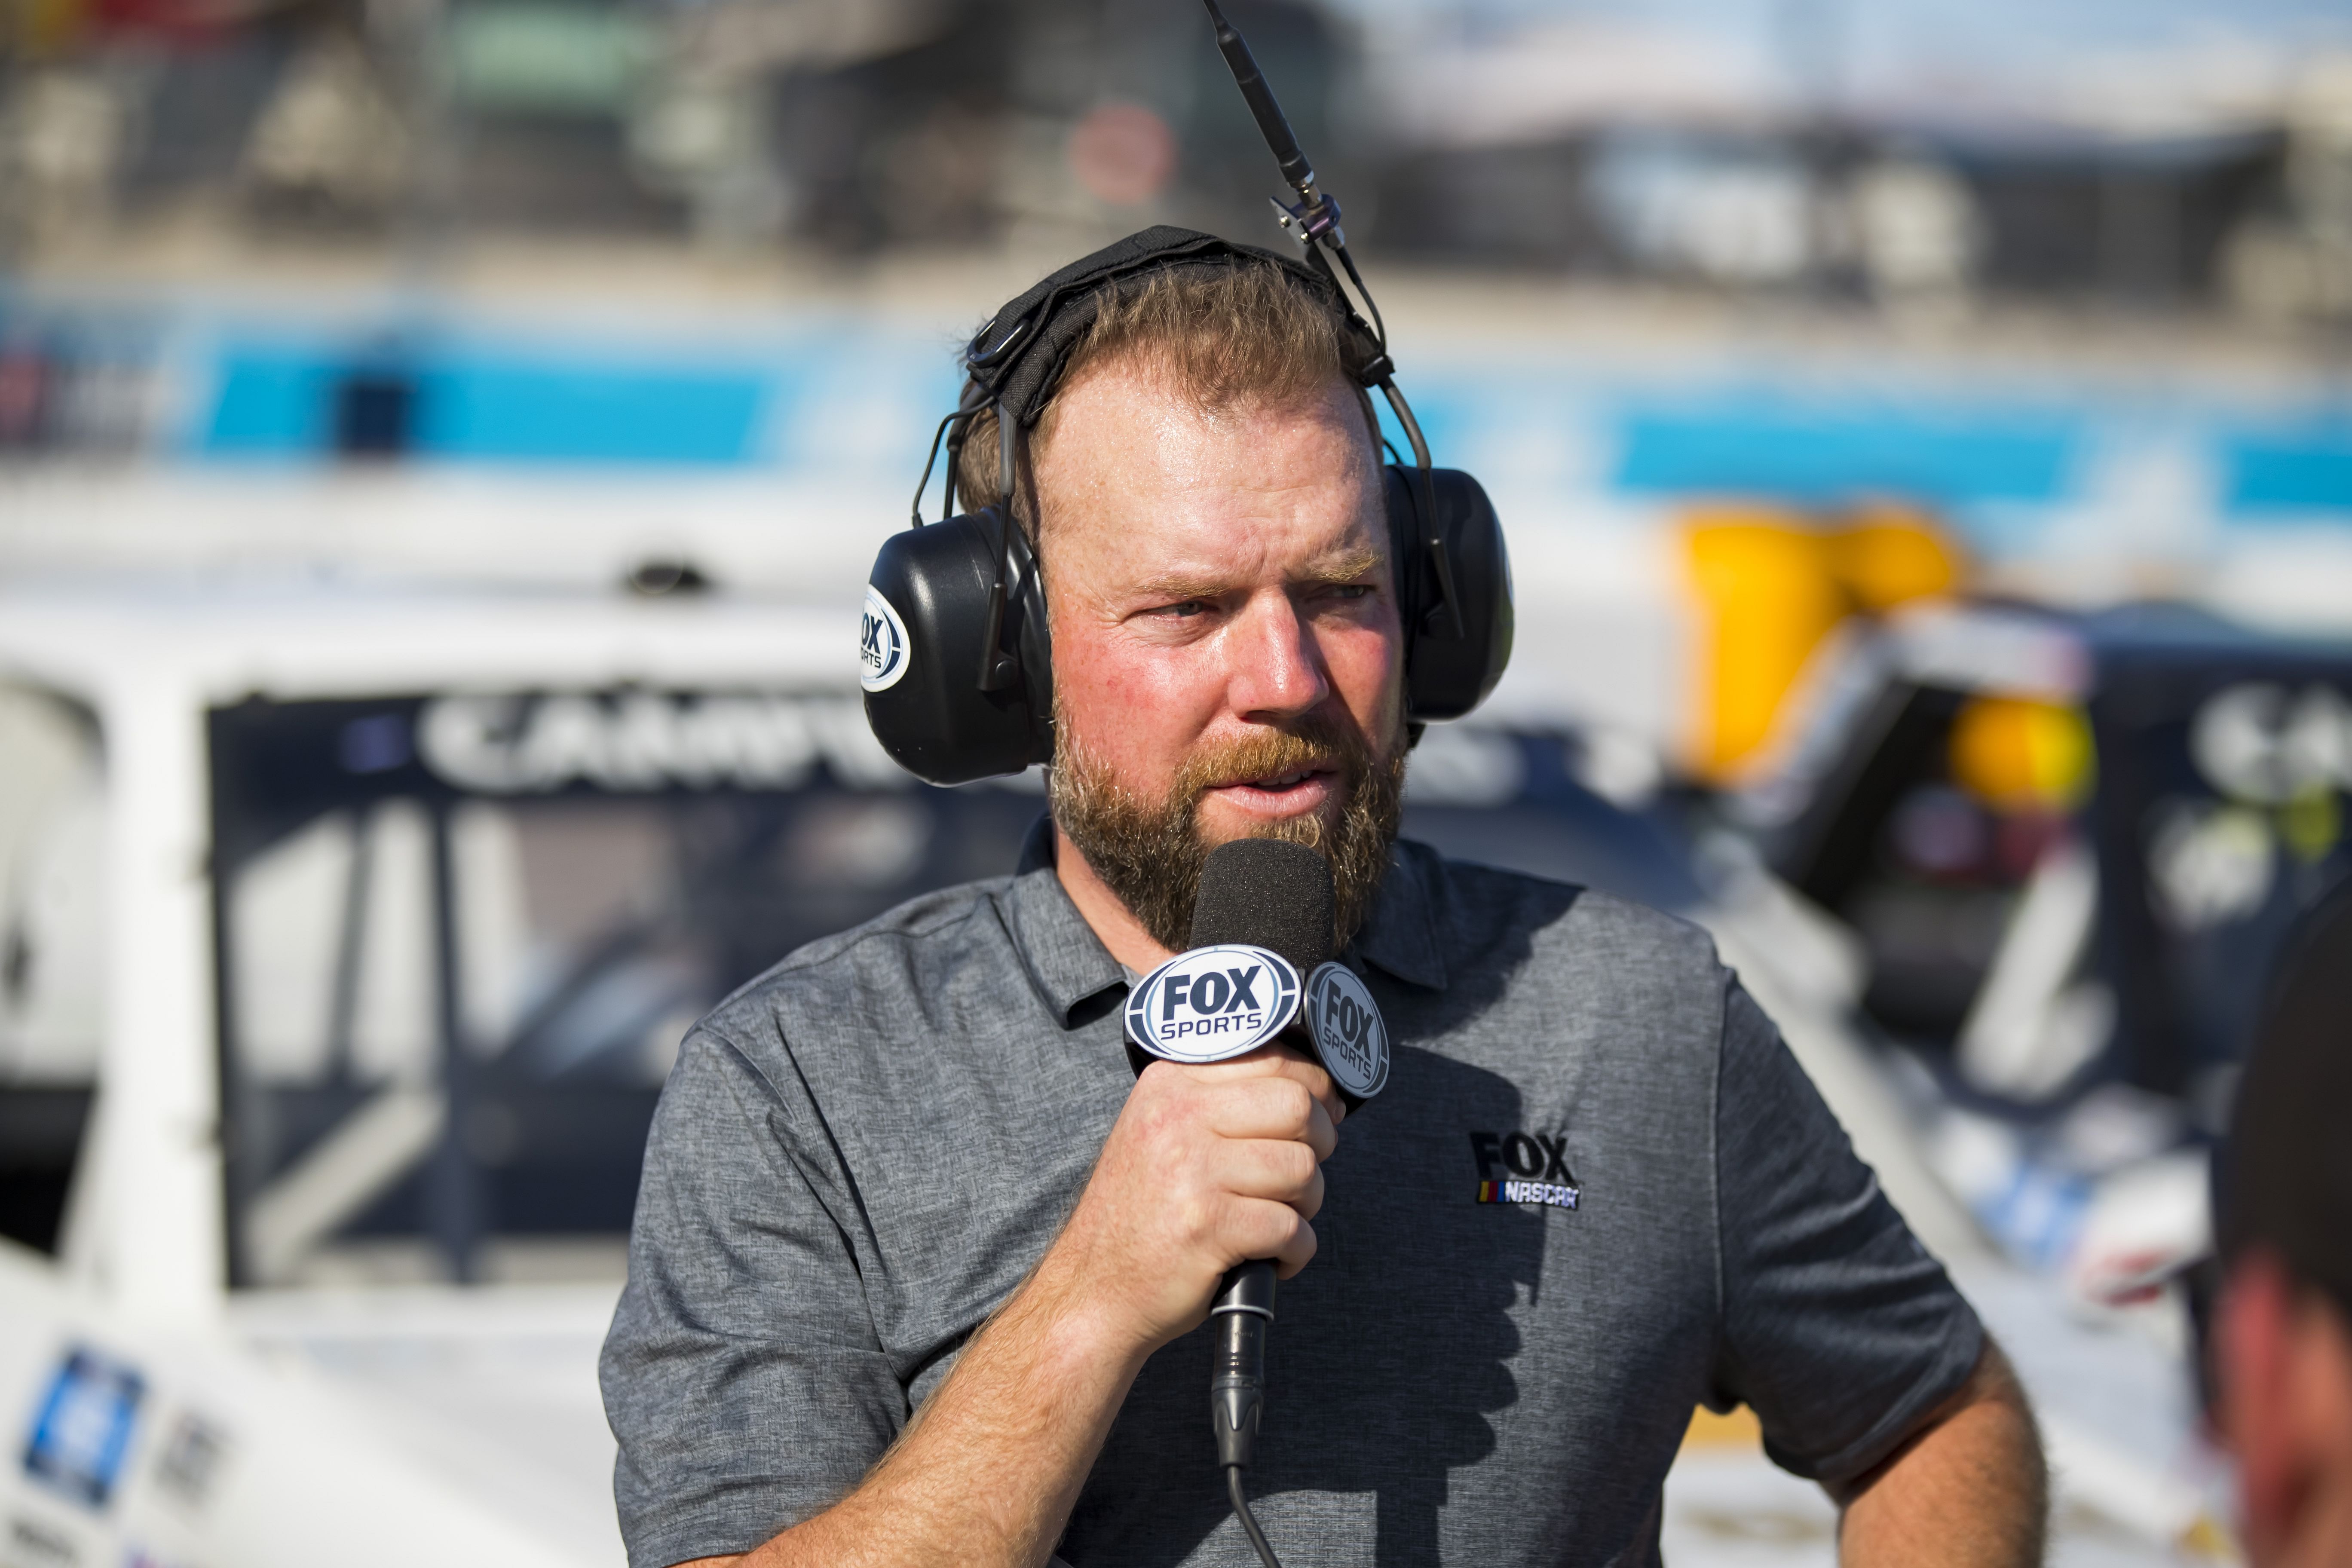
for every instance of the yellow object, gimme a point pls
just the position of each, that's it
(1887, 555)
(44, 28)
(2311, 823)
(1735, 1428)
(2016, 754)
(1767, 594)
(1771, 585)
(2210, 1539)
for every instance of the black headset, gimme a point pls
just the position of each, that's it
(956, 657)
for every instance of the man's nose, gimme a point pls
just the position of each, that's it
(1277, 670)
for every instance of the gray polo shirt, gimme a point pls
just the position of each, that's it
(1597, 1191)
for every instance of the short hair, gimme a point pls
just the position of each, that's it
(2287, 1182)
(1233, 337)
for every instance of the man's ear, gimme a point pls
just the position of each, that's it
(2284, 1366)
(2250, 1357)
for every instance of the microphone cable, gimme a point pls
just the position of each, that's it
(1249, 1520)
(1243, 1310)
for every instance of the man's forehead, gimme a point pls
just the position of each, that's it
(1133, 451)
(1142, 382)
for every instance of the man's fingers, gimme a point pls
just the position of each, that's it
(1278, 1061)
(1322, 1134)
(1295, 1254)
(1277, 1231)
(1271, 1108)
(1282, 1172)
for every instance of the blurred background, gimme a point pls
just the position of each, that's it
(442, 443)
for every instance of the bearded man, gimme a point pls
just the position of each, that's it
(920, 1263)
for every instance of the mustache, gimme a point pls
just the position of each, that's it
(1149, 850)
(1314, 744)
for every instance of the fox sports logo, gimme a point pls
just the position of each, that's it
(1351, 1036)
(881, 643)
(1212, 1003)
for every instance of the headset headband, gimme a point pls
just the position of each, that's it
(1017, 359)
(1013, 364)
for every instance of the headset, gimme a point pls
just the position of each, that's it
(955, 654)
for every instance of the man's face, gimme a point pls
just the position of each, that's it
(1228, 653)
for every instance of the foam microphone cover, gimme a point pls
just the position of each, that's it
(1270, 894)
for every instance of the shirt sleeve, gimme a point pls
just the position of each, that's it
(1839, 1330)
(741, 1376)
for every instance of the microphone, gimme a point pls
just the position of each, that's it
(1272, 123)
(1260, 968)
(1261, 892)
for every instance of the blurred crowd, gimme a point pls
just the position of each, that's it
(2151, 158)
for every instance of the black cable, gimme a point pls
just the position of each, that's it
(931, 462)
(1249, 1520)
(1379, 327)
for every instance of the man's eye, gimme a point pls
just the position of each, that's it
(1188, 608)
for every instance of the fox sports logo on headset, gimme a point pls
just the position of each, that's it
(1212, 1003)
(881, 643)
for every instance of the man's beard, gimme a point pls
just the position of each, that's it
(1149, 853)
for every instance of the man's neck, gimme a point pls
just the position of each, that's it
(1110, 919)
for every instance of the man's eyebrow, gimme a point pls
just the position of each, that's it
(1178, 586)
(1351, 565)
(1342, 565)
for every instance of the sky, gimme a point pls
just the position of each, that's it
(1998, 53)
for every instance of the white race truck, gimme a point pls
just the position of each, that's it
(346, 934)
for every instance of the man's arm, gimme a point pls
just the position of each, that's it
(1206, 1167)
(1967, 1487)
(1842, 1332)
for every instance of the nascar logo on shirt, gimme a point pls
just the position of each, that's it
(1212, 1003)
(1544, 1192)
(1537, 1164)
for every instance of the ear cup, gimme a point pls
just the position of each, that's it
(1449, 670)
(921, 654)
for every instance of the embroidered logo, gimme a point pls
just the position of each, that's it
(1534, 1169)
(1544, 1192)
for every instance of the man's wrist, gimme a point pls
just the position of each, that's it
(1075, 1322)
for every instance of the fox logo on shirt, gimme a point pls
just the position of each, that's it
(1534, 1169)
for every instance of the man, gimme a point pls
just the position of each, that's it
(920, 1263)
(2283, 1349)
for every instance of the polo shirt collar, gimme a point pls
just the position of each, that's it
(1399, 934)
(1066, 961)
(1070, 964)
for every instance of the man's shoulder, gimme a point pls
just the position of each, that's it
(894, 948)
(1476, 903)
(1485, 912)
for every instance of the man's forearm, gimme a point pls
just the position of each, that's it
(1206, 1165)
(988, 1472)
(1969, 1489)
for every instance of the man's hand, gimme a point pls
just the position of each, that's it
(1206, 1167)
(1967, 1487)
